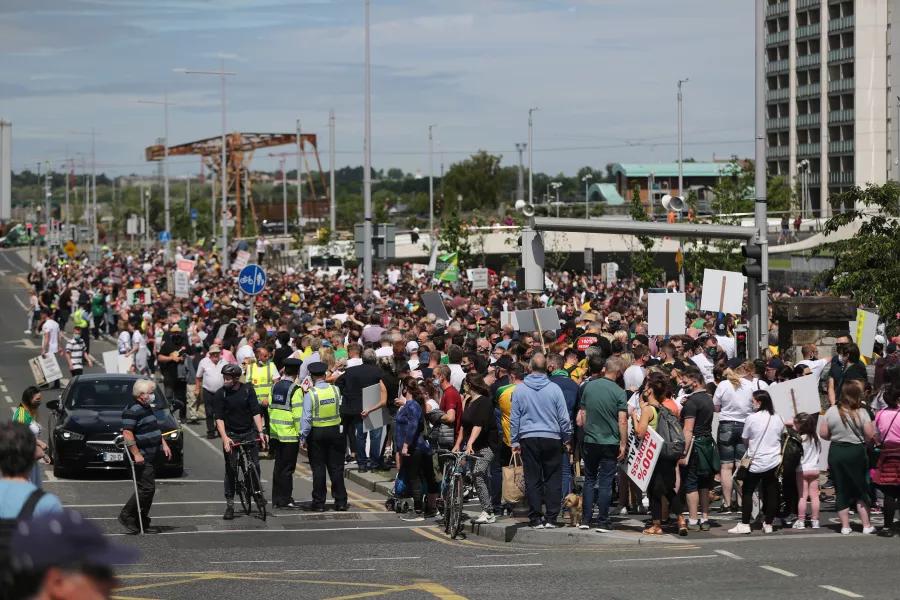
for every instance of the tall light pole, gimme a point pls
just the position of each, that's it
(333, 191)
(165, 104)
(587, 182)
(147, 217)
(556, 185)
(92, 201)
(223, 170)
(299, 177)
(367, 170)
(530, 159)
(760, 208)
(431, 182)
(680, 179)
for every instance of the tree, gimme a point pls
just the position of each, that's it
(395, 173)
(867, 265)
(642, 260)
(779, 195)
(452, 237)
(476, 179)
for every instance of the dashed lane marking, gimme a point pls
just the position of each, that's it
(389, 558)
(9, 399)
(242, 562)
(843, 592)
(728, 554)
(498, 566)
(777, 570)
(691, 557)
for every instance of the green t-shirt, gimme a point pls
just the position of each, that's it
(602, 401)
(341, 353)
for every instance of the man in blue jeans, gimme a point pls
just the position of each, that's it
(602, 413)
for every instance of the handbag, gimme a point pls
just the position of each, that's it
(744, 466)
(514, 481)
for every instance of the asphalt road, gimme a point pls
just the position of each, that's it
(368, 552)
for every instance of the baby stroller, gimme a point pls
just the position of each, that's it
(401, 494)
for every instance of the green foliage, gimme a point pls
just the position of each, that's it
(779, 195)
(642, 258)
(476, 179)
(867, 265)
(453, 238)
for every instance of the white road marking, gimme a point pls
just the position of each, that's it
(286, 531)
(19, 300)
(838, 590)
(390, 558)
(220, 501)
(9, 399)
(128, 481)
(182, 573)
(728, 554)
(323, 570)
(502, 555)
(51, 478)
(219, 516)
(242, 562)
(665, 558)
(213, 447)
(498, 566)
(3, 388)
(777, 570)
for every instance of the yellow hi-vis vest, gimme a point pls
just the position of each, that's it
(285, 411)
(261, 380)
(80, 318)
(326, 406)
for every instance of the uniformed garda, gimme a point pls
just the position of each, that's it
(80, 318)
(326, 405)
(285, 411)
(261, 379)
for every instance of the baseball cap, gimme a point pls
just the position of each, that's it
(66, 538)
(215, 349)
(776, 363)
(504, 362)
(412, 347)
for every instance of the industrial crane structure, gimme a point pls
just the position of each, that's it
(239, 153)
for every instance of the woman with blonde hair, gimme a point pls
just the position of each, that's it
(849, 428)
(733, 400)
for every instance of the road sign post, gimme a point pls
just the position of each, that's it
(252, 281)
(194, 215)
(165, 237)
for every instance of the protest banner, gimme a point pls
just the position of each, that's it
(642, 456)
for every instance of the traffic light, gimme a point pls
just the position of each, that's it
(753, 253)
(532, 277)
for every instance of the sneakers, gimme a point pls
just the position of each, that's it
(229, 513)
(815, 523)
(550, 525)
(485, 518)
(846, 531)
(693, 525)
(768, 528)
(623, 510)
(740, 528)
(704, 525)
(536, 525)
(798, 524)
(725, 509)
(868, 530)
(876, 510)
(604, 529)
(413, 516)
(584, 526)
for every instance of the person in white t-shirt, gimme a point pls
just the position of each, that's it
(733, 401)
(703, 357)
(393, 275)
(762, 436)
(634, 375)
(50, 332)
(811, 359)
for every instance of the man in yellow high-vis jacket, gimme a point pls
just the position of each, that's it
(262, 375)
(320, 425)
(285, 411)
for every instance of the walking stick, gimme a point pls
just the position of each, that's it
(121, 443)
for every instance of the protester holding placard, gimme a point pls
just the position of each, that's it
(733, 402)
(702, 463)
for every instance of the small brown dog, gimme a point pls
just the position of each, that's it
(573, 503)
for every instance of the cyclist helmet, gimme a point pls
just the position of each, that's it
(231, 370)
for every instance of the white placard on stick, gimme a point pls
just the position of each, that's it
(478, 277)
(796, 396)
(723, 291)
(666, 314)
(642, 456)
(371, 396)
(508, 317)
(139, 296)
(36, 371)
(111, 361)
(541, 319)
(241, 260)
(49, 367)
(434, 304)
(863, 330)
(182, 284)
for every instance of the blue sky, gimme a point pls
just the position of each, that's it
(602, 72)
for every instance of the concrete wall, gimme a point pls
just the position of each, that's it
(893, 71)
(871, 91)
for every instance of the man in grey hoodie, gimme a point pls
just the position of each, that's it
(539, 429)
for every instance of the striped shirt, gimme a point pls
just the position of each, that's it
(75, 350)
(141, 422)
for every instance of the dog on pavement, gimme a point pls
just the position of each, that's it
(573, 503)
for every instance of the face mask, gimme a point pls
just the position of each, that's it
(77, 337)
(176, 338)
(710, 352)
(36, 404)
(842, 360)
(436, 382)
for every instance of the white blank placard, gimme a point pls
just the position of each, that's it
(666, 314)
(723, 291)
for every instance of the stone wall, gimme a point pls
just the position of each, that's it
(811, 321)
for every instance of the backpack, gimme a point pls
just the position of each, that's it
(8, 528)
(669, 429)
(791, 452)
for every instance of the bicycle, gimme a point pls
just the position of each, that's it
(247, 483)
(452, 493)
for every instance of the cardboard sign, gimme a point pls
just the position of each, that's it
(111, 361)
(170, 284)
(241, 261)
(796, 396)
(478, 277)
(36, 371)
(610, 273)
(508, 317)
(434, 304)
(542, 319)
(666, 314)
(139, 296)
(864, 330)
(186, 265)
(723, 291)
(306, 384)
(182, 284)
(642, 456)
(117, 275)
(371, 396)
(45, 369)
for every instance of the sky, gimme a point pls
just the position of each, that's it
(602, 73)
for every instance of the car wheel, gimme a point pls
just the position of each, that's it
(58, 471)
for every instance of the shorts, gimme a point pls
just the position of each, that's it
(731, 442)
(693, 480)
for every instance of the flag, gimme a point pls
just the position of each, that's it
(447, 267)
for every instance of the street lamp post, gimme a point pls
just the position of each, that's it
(367, 170)
(431, 181)
(92, 201)
(165, 104)
(556, 185)
(223, 170)
(680, 179)
(587, 182)
(530, 158)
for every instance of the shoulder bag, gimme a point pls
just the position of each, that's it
(744, 466)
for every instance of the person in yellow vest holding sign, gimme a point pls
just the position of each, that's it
(81, 319)
(285, 411)
(262, 375)
(321, 436)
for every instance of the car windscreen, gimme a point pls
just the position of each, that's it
(107, 394)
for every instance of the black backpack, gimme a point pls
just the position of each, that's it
(8, 528)
(791, 452)
(669, 429)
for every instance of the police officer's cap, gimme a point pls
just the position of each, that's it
(292, 362)
(318, 368)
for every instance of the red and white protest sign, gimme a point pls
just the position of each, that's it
(642, 456)
(186, 265)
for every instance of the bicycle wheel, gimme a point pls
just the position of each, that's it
(456, 510)
(241, 483)
(256, 492)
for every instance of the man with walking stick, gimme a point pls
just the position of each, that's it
(145, 445)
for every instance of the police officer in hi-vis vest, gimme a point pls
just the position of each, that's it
(321, 436)
(262, 375)
(285, 410)
(81, 319)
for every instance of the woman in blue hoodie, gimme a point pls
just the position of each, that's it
(415, 452)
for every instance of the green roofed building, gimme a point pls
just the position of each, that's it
(654, 180)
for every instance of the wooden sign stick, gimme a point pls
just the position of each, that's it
(794, 401)
(537, 321)
(667, 317)
(722, 296)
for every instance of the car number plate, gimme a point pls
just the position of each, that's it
(113, 456)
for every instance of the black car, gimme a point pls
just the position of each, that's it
(87, 418)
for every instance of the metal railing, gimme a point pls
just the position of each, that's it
(841, 85)
(841, 23)
(839, 54)
(812, 89)
(782, 94)
(779, 37)
(840, 146)
(808, 31)
(809, 119)
(841, 178)
(809, 149)
(778, 123)
(778, 151)
(773, 10)
(841, 116)
(778, 65)
(809, 60)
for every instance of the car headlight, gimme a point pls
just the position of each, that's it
(70, 435)
(174, 435)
